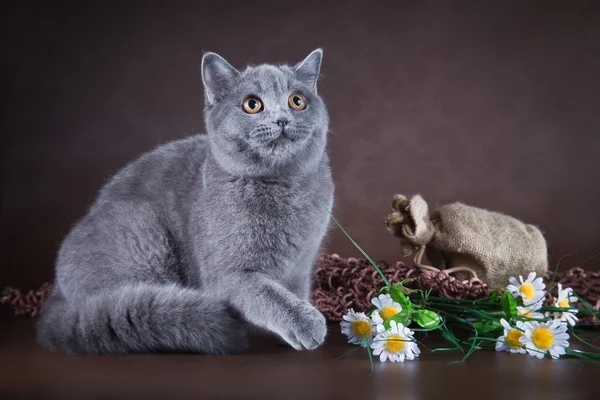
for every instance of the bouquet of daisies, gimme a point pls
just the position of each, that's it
(517, 321)
(512, 319)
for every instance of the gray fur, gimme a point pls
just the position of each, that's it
(195, 240)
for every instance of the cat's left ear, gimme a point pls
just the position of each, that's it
(217, 75)
(308, 70)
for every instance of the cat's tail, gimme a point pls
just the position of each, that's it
(140, 318)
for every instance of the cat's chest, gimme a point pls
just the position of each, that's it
(271, 213)
(260, 224)
(275, 205)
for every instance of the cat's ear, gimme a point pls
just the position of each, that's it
(217, 75)
(308, 70)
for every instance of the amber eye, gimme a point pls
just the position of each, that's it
(297, 101)
(252, 105)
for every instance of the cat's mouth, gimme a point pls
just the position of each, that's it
(281, 143)
(277, 142)
(285, 135)
(277, 137)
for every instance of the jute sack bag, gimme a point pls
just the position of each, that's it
(468, 241)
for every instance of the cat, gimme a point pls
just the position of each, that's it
(202, 239)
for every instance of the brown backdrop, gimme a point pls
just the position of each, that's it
(494, 103)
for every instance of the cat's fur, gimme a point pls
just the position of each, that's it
(201, 234)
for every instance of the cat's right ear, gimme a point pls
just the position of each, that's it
(217, 75)
(308, 70)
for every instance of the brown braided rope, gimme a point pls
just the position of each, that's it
(343, 283)
(28, 303)
(351, 283)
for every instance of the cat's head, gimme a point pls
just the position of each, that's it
(265, 120)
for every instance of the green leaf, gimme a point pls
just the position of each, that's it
(509, 305)
(444, 349)
(519, 301)
(370, 310)
(486, 327)
(384, 290)
(426, 318)
(493, 297)
(401, 317)
(480, 326)
(400, 298)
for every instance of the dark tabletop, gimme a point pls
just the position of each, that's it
(272, 372)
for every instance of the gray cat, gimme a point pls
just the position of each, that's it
(196, 241)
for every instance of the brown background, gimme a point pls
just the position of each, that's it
(493, 103)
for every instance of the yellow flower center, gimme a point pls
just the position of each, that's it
(362, 328)
(513, 338)
(388, 312)
(543, 338)
(564, 303)
(527, 290)
(394, 344)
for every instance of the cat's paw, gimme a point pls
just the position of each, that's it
(307, 330)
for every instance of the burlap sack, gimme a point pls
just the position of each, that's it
(462, 238)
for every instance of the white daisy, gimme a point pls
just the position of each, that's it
(510, 340)
(564, 300)
(531, 290)
(545, 337)
(386, 306)
(376, 318)
(357, 326)
(396, 343)
(531, 311)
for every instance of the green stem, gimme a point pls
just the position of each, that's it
(349, 352)
(572, 331)
(583, 355)
(370, 360)
(587, 354)
(466, 311)
(357, 246)
(556, 269)
(588, 309)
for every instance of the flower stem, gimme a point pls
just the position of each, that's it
(357, 246)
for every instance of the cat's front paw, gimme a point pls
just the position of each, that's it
(307, 329)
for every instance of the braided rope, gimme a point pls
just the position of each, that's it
(28, 303)
(341, 284)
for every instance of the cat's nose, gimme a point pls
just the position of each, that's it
(282, 122)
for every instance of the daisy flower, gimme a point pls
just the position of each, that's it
(357, 326)
(531, 311)
(386, 307)
(510, 340)
(564, 300)
(396, 343)
(531, 290)
(376, 318)
(545, 337)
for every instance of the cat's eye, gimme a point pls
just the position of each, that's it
(297, 102)
(252, 105)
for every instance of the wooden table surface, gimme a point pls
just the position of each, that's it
(273, 372)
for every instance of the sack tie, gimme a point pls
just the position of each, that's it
(418, 261)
